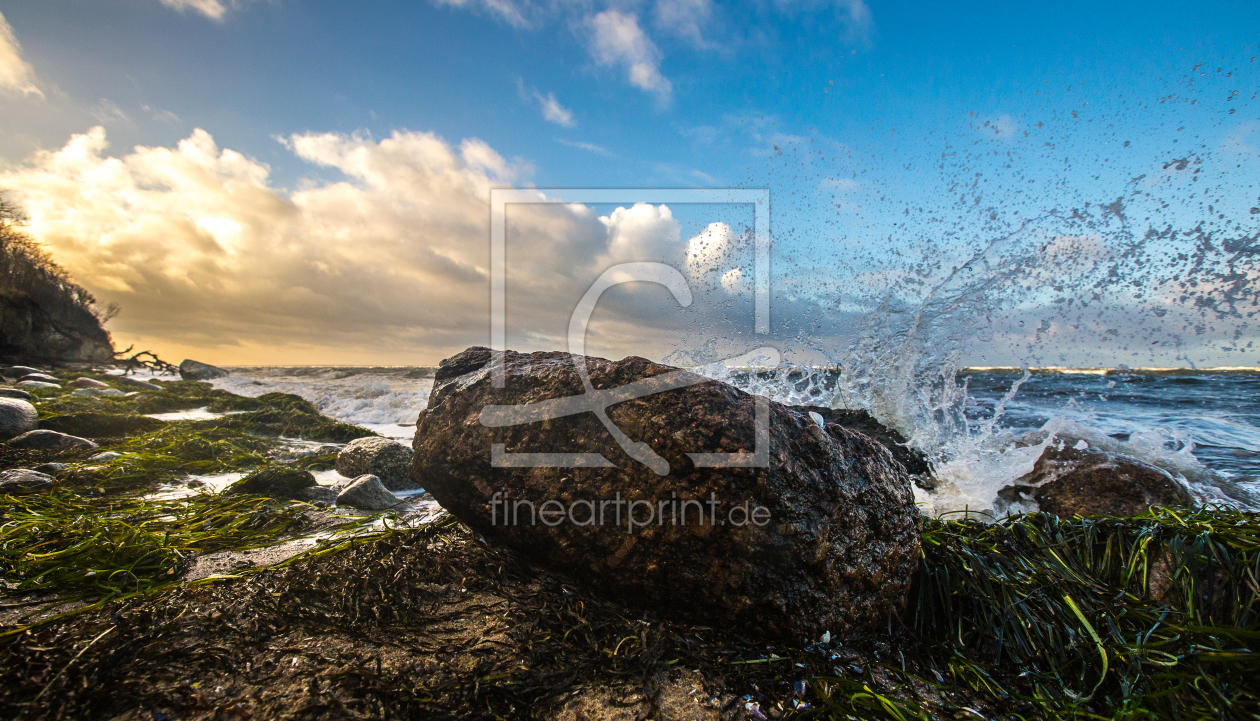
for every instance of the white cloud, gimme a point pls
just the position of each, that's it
(617, 40)
(553, 111)
(213, 9)
(589, 147)
(683, 18)
(859, 23)
(514, 13)
(106, 111)
(708, 250)
(711, 253)
(733, 282)
(643, 232)
(389, 263)
(16, 75)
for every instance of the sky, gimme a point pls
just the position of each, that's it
(305, 182)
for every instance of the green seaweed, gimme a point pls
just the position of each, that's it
(72, 543)
(1153, 616)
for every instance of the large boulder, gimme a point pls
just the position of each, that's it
(1081, 482)
(191, 370)
(46, 440)
(824, 537)
(387, 460)
(368, 493)
(16, 417)
(276, 482)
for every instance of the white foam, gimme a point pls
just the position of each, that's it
(384, 401)
(196, 414)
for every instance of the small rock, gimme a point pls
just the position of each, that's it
(1073, 482)
(191, 370)
(380, 457)
(134, 383)
(87, 383)
(36, 384)
(321, 494)
(52, 469)
(104, 456)
(367, 492)
(39, 377)
(15, 393)
(52, 441)
(19, 371)
(18, 480)
(276, 481)
(98, 393)
(16, 417)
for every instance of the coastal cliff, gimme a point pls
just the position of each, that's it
(44, 315)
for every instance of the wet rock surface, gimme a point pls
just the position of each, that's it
(24, 480)
(15, 393)
(366, 492)
(1069, 482)
(19, 371)
(191, 370)
(52, 441)
(97, 393)
(915, 461)
(832, 547)
(380, 457)
(16, 417)
(86, 383)
(135, 383)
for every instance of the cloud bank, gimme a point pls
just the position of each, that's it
(388, 264)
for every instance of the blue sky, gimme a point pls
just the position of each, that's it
(868, 121)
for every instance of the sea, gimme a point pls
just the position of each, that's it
(1202, 426)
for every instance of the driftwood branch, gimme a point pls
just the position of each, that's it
(144, 359)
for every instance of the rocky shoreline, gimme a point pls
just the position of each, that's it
(273, 599)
